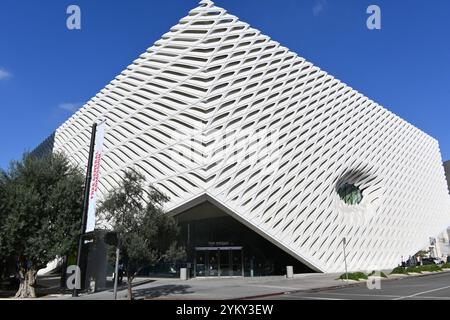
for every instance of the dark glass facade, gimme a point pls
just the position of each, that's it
(220, 245)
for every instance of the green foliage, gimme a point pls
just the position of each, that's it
(357, 276)
(423, 253)
(446, 266)
(354, 276)
(418, 269)
(3, 253)
(40, 209)
(40, 213)
(146, 234)
(379, 273)
(413, 270)
(175, 253)
(399, 270)
(430, 268)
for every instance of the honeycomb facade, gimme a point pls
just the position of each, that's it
(216, 110)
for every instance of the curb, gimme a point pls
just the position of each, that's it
(298, 291)
(313, 290)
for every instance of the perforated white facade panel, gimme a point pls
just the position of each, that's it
(216, 108)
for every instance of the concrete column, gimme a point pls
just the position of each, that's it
(289, 272)
(184, 274)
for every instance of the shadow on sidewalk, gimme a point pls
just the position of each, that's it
(161, 291)
(45, 285)
(124, 286)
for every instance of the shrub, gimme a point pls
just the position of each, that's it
(446, 266)
(360, 275)
(353, 276)
(430, 268)
(413, 270)
(399, 270)
(419, 269)
(379, 273)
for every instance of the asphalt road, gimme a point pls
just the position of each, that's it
(429, 287)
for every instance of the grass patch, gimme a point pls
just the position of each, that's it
(413, 270)
(354, 276)
(419, 269)
(399, 270)
(430, 268)
(446, 266)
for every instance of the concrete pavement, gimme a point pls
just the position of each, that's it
(303, 286)
(429, 287)
(235, 288)
(218, 289)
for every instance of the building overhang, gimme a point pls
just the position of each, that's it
(208, 198)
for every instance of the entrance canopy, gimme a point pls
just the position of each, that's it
(220, 245)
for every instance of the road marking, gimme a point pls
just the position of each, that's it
(420, 293)
(274, 287)
(362, 294)
(317, 298)
(434, 298)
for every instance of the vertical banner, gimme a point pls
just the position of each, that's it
(95, 175)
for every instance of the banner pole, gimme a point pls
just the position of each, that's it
(85, 203)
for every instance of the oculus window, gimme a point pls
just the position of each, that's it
(350, 194)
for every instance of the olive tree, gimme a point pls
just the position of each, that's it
(41, 206)
(146, 234)
(4, 256)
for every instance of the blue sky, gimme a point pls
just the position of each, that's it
(47, 71)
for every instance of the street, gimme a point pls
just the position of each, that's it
(430, 287)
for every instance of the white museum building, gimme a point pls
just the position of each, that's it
(267, 159)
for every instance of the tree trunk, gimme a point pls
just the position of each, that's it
(130, 289)
(63, 274)
(27, 283)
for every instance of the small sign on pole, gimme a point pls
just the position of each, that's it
(344, 243)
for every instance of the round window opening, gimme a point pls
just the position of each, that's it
(350, 194)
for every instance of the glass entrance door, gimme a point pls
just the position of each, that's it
(225, 265)
(218, 261)
(200, 264)
(213, 263)
(236, 263)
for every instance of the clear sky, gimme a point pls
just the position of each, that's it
(48, 71)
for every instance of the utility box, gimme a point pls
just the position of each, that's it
(95, 251)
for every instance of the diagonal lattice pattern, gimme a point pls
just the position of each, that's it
(217, 108)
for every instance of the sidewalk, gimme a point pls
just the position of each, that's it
(222, 288)
(235, 288)
(226, 288)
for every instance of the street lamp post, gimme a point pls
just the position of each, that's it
(112, 239)
(116, 272)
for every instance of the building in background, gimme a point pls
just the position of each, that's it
(268, 160)
(440, 245)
